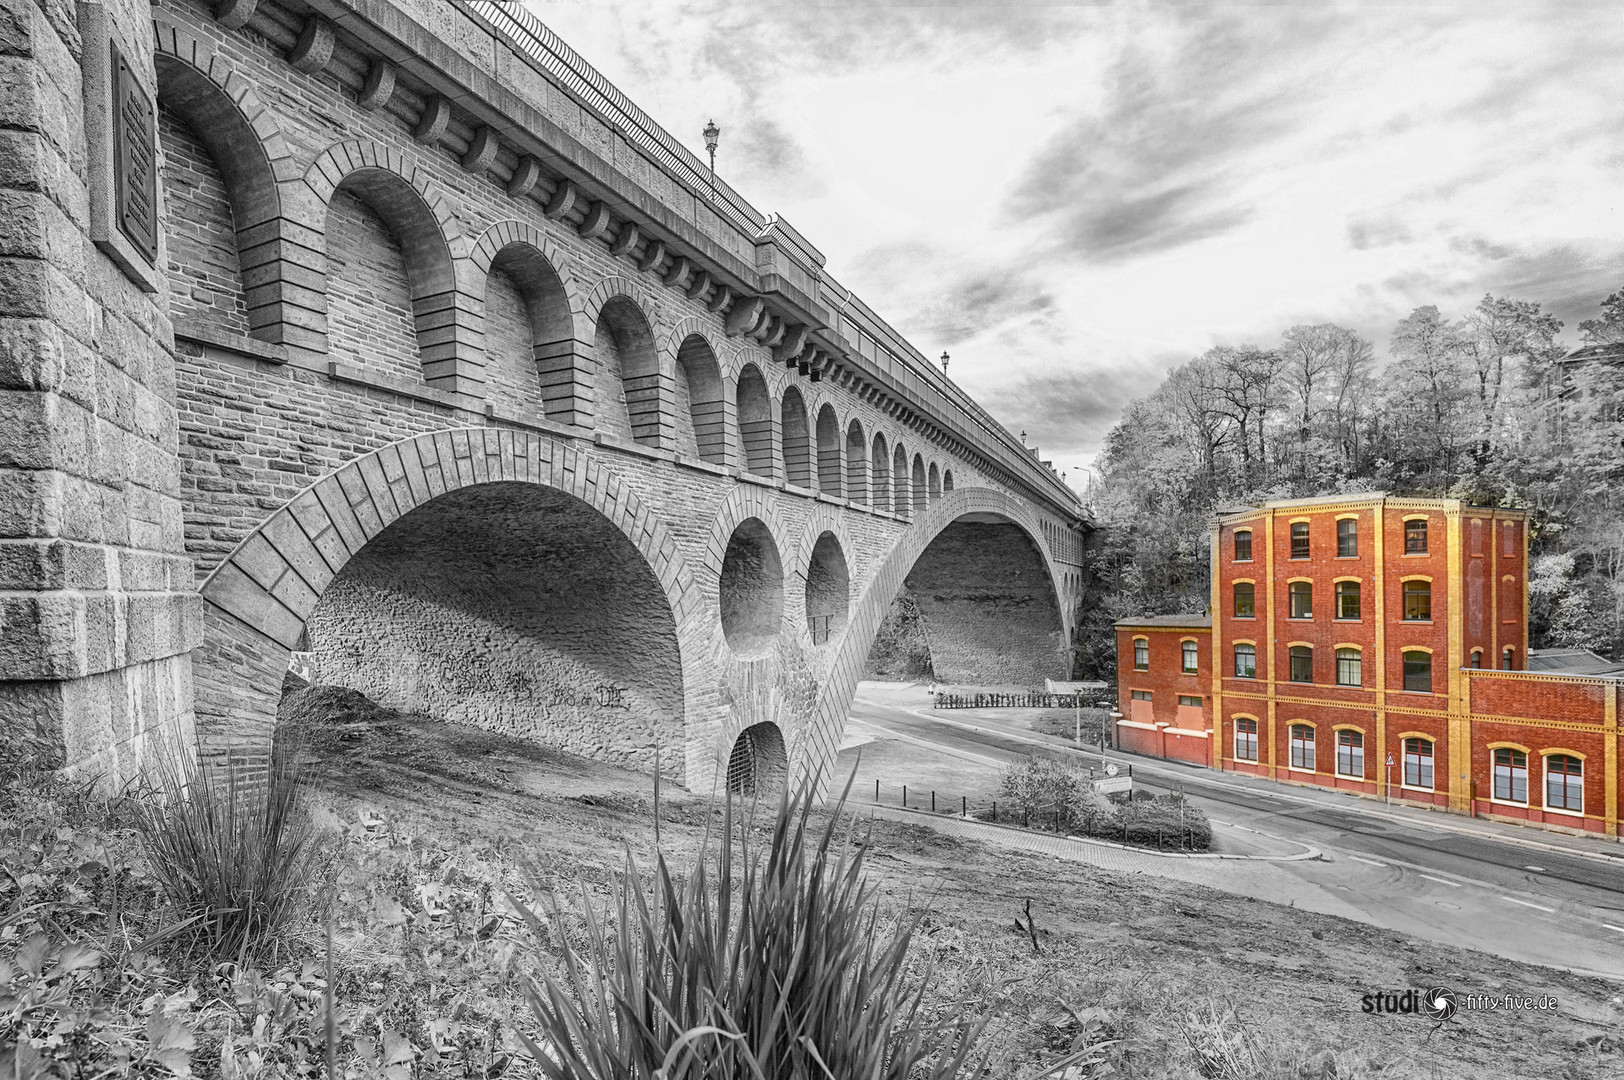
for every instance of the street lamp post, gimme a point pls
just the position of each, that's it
(712, 133)
(945, 359)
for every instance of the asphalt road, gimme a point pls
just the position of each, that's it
(1539, 906)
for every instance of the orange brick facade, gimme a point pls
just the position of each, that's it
(1379, 646)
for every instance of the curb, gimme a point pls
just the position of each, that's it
(1306, 855)
(1157, 765)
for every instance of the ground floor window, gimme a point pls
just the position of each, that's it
(1350, 753)
(1302, 747)
(1245, 739)
(1564, 783)
(1510, 775)
(1190, 700)
(1141, 695)
(1418, 763)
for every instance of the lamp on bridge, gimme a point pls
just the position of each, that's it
(712, 133)
(945, 359)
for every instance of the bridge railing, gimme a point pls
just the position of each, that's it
(1029, 699)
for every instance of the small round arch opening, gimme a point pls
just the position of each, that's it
(828, 590)
(752, 590)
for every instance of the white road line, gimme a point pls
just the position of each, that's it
(1368, 862)
(1527, 903)
(1610, 926)
(1444, 881)
(1225, 824)
(1535, 869)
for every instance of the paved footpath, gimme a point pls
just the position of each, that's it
(1257, 877)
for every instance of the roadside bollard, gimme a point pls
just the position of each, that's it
(905, 796)
(933, 801)
(964, 806)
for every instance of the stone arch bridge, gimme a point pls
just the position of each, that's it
(448, 367)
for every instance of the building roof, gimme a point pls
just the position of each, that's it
(1590, 353)
(1354, 498)
(1573, 662)
(1183, 622)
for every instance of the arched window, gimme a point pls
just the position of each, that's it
(1245, 739)
(1245, 600)
(701, 412)
(1350, 753)
(1415, 536)
(1141, 654)
(1300, 595)
(881, 489)
(831, 480)
(856, 464)
(1477, 658)
(797, 439)
(947, 480)
(1510, 774)
(1508, 659)
(756, 422)
(1299, 540)
(1418, 763)
(1418, 671)
(1190, 657)
(935, 482)
(1418, 601)
(1302, 663)
(628, 372)
(1243, 545)
(1564, 783)
(1347, 538)
(902, 502)
(1302, 747)
(1347, 600)
(1349, 667)
(1245, 661)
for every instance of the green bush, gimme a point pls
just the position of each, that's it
(235, 855)
(1052, 794)
(774, 962)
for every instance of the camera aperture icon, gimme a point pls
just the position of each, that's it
(1440, 1003)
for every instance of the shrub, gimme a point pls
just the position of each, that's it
(1051, 794)
(234, 856)
(772, 963)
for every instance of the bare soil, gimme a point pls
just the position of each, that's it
(1180, 980)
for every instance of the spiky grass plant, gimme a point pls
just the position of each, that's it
(766, 963)
(235, 854)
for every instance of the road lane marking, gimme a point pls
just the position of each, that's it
(1444, 881)
(1529, 903)
(1368, 862)
(1535, 869)
(1610, 926)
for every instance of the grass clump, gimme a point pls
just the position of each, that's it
(235, 854)
(772, 961)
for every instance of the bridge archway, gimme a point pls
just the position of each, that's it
(977, 552)
(797, 439)
(701, 408)
(205, 105)
(901, 504)
(756, 422)
(534, 337)
(882, 473)
(831, 479)
(921, 498)
(629, 382)
(417, 547)
(935, 485)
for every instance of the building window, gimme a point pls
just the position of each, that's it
(1510, 775)
(1302, 663)
(1508, 534)
(1192, 661)
(1302, 747)
(1418, 763)
(1418, 601)
(1350, 753)
(1347, 600)
(1141, 654)
(1477, 658)
(1245, 661)
(1507, 656)
(1418, 672)
(1189, 701)
(1415, 537)
(1564, 783)
(1301, 597)
(1243, 546)
(1245, 600)
(1245, 739)
(1349, 667)
(1141, 695)
(1299, 540)
(1347, 538)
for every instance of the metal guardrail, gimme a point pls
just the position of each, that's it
(918, 374)
(568, 66)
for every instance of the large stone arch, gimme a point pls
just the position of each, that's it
(624, 316)
(562, 346)
(774, 685)
(969, 505)
(258, 602)
(276, 259)
(444, 300)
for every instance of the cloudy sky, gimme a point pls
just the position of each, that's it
(1071, 198)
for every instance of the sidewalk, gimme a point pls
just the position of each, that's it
(987, 721)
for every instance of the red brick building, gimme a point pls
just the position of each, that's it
(1380, 646)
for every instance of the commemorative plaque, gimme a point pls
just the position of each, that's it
(135, 165)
